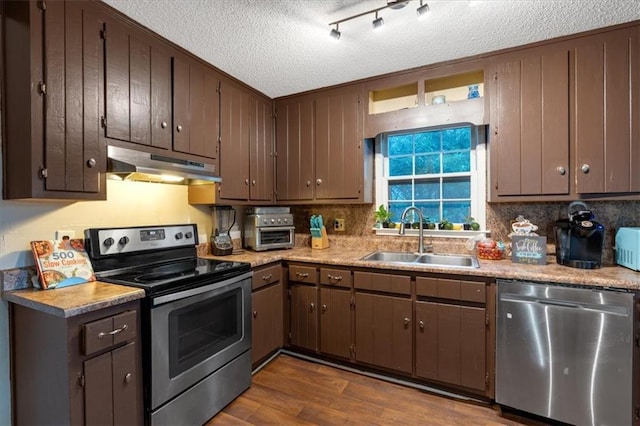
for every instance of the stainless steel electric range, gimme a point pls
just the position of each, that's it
(196, 324)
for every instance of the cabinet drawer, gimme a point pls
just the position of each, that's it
(335, 277)
(265, 276)
(387, 283)
(303, 274)
(470, 291)
(106, 332)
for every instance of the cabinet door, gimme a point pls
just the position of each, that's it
(607, 107)
(98, 390)
(267, 321)
(530, 125)
(338, 145)
(73, 152)
(126, 404)
(294, 148)
(335, 322)
(383, 331)
(261, 164)
(234, 142)
(196, 108)
(304, 316)
(450, 344)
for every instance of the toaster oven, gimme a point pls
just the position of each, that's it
(628, 248)
(268, 228)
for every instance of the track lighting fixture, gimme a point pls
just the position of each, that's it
(335, 33)
(378, 22)
(422, 10)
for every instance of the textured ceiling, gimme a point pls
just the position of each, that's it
(281, 47)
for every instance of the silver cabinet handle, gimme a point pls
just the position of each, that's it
(421, 324)
(302, 275)
(266, 277)
(324, 308)
(163, 124)
(255, 314)
(406, 321)
(312, 306)
(334, 277)
(128, 377)
(91, 162)
(318, 182)
(585, 168)
(112, 332)
(179, 128)
(561, 170)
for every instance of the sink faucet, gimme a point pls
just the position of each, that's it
(421, 247)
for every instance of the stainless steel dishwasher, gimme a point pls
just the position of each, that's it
(565, 353)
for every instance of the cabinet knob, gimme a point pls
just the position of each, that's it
(585, 168)
(179, 128)
(561, 170)
(255, 314)
(308, 183)
(253, 182)
(312, 306)
(91, 162)
(421, 325)
(163, 124)
(324, 308)
(318, 182)
(128, 377)
(246, 181)
(406, 321)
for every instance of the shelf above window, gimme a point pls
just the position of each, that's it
(393, 99)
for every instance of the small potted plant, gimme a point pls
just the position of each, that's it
(445, 224)
(470, 224)
(383, 216)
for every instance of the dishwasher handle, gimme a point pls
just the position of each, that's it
(605, 309)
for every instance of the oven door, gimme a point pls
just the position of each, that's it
(196, 332)
(274, 237)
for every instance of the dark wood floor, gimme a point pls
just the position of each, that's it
(289, 390)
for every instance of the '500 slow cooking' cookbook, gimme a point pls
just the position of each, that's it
(61, 263)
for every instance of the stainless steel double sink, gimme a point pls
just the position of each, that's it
(426, 259)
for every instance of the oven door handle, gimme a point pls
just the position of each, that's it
(199, 290)
(275, 228)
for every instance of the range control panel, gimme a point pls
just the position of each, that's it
(111, 241)
(271, 219)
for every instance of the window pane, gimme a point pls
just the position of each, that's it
(400, 166)
(456, 188)
(400, 190)
(400, 144)
(427, 164)
(396, 210)
(427, 190)
(430, 211)
(456, 212)
(427, 142)
(456, 139)
(456, 162)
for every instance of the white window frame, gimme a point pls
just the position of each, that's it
(478, 172)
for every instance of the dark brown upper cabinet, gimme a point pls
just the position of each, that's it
(196, 108)
(53, 81)
(530, 125)
(606, 112)
(321, 153)
(261, 160)
(138, 87)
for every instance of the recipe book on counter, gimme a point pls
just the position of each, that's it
(61, 263)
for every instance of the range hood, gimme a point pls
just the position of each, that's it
(130, 164)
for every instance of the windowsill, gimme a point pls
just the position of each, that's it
(437, 233)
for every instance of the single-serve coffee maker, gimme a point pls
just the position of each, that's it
(579, 239)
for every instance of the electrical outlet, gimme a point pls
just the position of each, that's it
(338, 225)
(61, 234)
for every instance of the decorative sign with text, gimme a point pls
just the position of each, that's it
(529, 249)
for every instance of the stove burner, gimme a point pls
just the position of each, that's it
(158, 276)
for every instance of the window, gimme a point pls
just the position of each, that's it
(439, 170)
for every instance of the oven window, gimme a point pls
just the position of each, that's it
(203, 329)
(275, 237)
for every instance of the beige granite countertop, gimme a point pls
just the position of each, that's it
(71, 301)
(608, 276)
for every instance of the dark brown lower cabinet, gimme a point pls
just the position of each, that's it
(335, 322)
(267, 321)
(450, 344)
(384, 331)
(304, 316)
